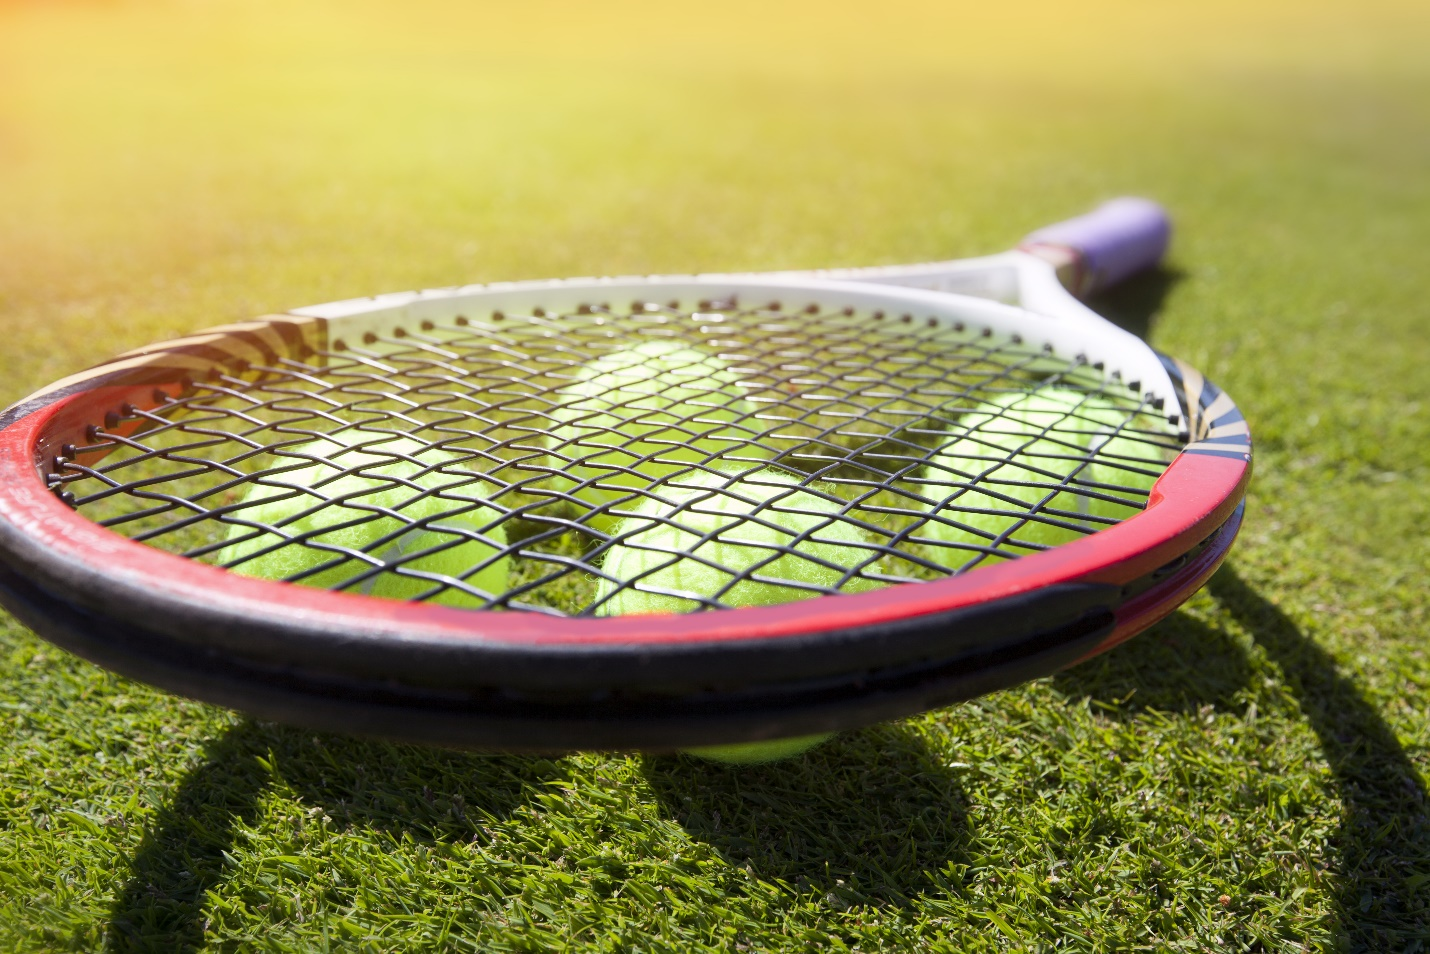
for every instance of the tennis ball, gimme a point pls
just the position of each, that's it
(658, 400)
(1050, 431)
(384, 481)
(745, 526)
(670, 556)
(755, 753)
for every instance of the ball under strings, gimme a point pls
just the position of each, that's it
(758, 753)
(1045, 467)
(751, 539)
(376, 494)
(739, 539)
(635, 416)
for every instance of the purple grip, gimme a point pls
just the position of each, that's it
(1117, 239)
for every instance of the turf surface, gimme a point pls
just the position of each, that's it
(1249, 775)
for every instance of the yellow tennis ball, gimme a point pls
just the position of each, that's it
(636, 416)
(756, 753)
(1030, 449)
(749, 524)
(338, 504)
(751, 540)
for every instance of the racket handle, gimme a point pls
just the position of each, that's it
(1095, 251)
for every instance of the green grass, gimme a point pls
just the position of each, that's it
(1251, 774)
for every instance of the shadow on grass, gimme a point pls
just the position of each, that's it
(874, 817)
(1133, 304)
(425, 793)
(1382, 863)
(182, 853)
(1383, 866)
(1181, 665)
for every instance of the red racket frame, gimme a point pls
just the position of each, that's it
(519, 680)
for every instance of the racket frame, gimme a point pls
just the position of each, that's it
(526, 681)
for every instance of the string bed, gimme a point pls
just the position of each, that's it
(895, 440)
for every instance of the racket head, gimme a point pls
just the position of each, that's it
(530, 680)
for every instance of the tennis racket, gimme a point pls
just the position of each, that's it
(646, 513)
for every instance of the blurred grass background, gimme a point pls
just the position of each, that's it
(1248, 775)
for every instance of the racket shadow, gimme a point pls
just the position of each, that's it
(1180, 665)
(425, 794)
(1382, 852)
(874, 817)
(1133, 304)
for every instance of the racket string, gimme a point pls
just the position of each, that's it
(877, 421)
